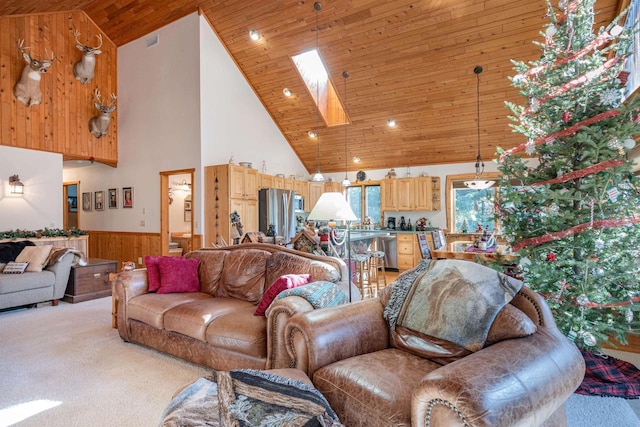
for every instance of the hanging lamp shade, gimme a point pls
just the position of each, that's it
(478, 183)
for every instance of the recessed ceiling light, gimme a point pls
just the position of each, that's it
(255, 35)
(356, 159)
(392, 123)
(312, 134)
(287, 92)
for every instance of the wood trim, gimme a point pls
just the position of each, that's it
(123, 246)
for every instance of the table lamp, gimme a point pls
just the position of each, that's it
(333, 206)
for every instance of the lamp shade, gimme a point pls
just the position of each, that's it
(332, 205)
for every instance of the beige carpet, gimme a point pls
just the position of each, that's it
(66, 366)
(69, 364)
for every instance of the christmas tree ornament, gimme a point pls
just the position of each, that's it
(611, 97)
(551, 31)
(614, 144)
(551, 257)
(628, 315)
(534, 105)
(530, 147)
(629, 143)
(566, 116)
(613, 194)
(599, 244)
(589, 339)
(582, 300)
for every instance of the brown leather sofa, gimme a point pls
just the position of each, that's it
(349, 354)
(216, 327)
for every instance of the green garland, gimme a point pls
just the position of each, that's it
(46, 232)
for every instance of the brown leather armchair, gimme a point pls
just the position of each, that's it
(348, 354)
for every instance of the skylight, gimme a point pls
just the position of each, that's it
(316, 79)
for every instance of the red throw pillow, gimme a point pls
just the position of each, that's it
(287, 281)
(178, 274)
(153, 272)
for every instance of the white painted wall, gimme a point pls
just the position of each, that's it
(41, 204)
(234, 121)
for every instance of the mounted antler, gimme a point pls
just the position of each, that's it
(83, 70)
(99, 125)
(27, 89)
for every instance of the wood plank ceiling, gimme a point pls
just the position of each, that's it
(411, 60)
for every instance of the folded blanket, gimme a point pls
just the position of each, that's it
(57, 253)
(452, 300)
(249, 398)
(319, 294)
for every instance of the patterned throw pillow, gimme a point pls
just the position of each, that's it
(13, 267)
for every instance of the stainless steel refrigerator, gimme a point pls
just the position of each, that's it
(276, 208)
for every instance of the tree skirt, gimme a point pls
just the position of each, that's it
(608, 376)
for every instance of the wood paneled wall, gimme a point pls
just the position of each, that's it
(60, 124)
(124, 246)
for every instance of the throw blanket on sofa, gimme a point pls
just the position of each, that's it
(319, 294)
(57, 253)
(249, 398)
(453, 300)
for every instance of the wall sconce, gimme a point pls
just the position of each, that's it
(16, 186)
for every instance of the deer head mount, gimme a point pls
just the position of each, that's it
(99, 125)
(27, 90)
(83, 69)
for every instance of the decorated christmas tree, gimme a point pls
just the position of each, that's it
(569, 203)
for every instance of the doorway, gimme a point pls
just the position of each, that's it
(71, 213)
(177, 204)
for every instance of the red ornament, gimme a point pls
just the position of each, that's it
(551, 256)
(566, 116)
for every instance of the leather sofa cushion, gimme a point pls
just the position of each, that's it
(240, 331)
(243, 275)
(383, 395)
(510, 323)
(281, 263)
(210, 268)
(150, 308)
(192, 318)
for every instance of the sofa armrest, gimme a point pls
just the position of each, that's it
(320, 337)
(61, 269)
(278, 315)
(127, 285)
(524, 379)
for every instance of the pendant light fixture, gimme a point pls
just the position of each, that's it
(346, 181)
(478, 183)
(318, 177)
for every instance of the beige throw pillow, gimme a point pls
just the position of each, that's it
(36, 256)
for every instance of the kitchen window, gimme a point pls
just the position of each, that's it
(364, 199)
(476, 207)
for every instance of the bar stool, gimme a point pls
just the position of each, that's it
(362, 269)
(376, 262)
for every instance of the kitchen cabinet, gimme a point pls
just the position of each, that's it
(389, 194)
(288, 183)
(410, 194)
(332, 187)
(315, 191)
(278, 182)
(229, 188)
(408, 251)
(266, 181)
(301, 188)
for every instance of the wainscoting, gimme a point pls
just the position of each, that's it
(124, 246)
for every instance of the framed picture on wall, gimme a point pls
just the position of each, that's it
(127, 197)
(98, 200)
(86, 201)
(112, 194)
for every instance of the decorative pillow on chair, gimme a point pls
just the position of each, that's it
(153, 272)
(13, 267)
(178, 274)
(288, 281)
(36, 256)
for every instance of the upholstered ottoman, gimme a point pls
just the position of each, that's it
(250, 397)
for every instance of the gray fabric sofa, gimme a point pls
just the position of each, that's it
(31, 288)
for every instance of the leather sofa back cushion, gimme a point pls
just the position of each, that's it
(509, 323)
(243, 275)
(281, 263)
(210, 269)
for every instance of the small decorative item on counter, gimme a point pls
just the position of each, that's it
(128, 266)
(409, 226)
(391, 223)
(422, 224)
(465, 227)
(271, 230)
(391, 174)
(403, 224)
(236, 227)
(367, 223)
(323, 233)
